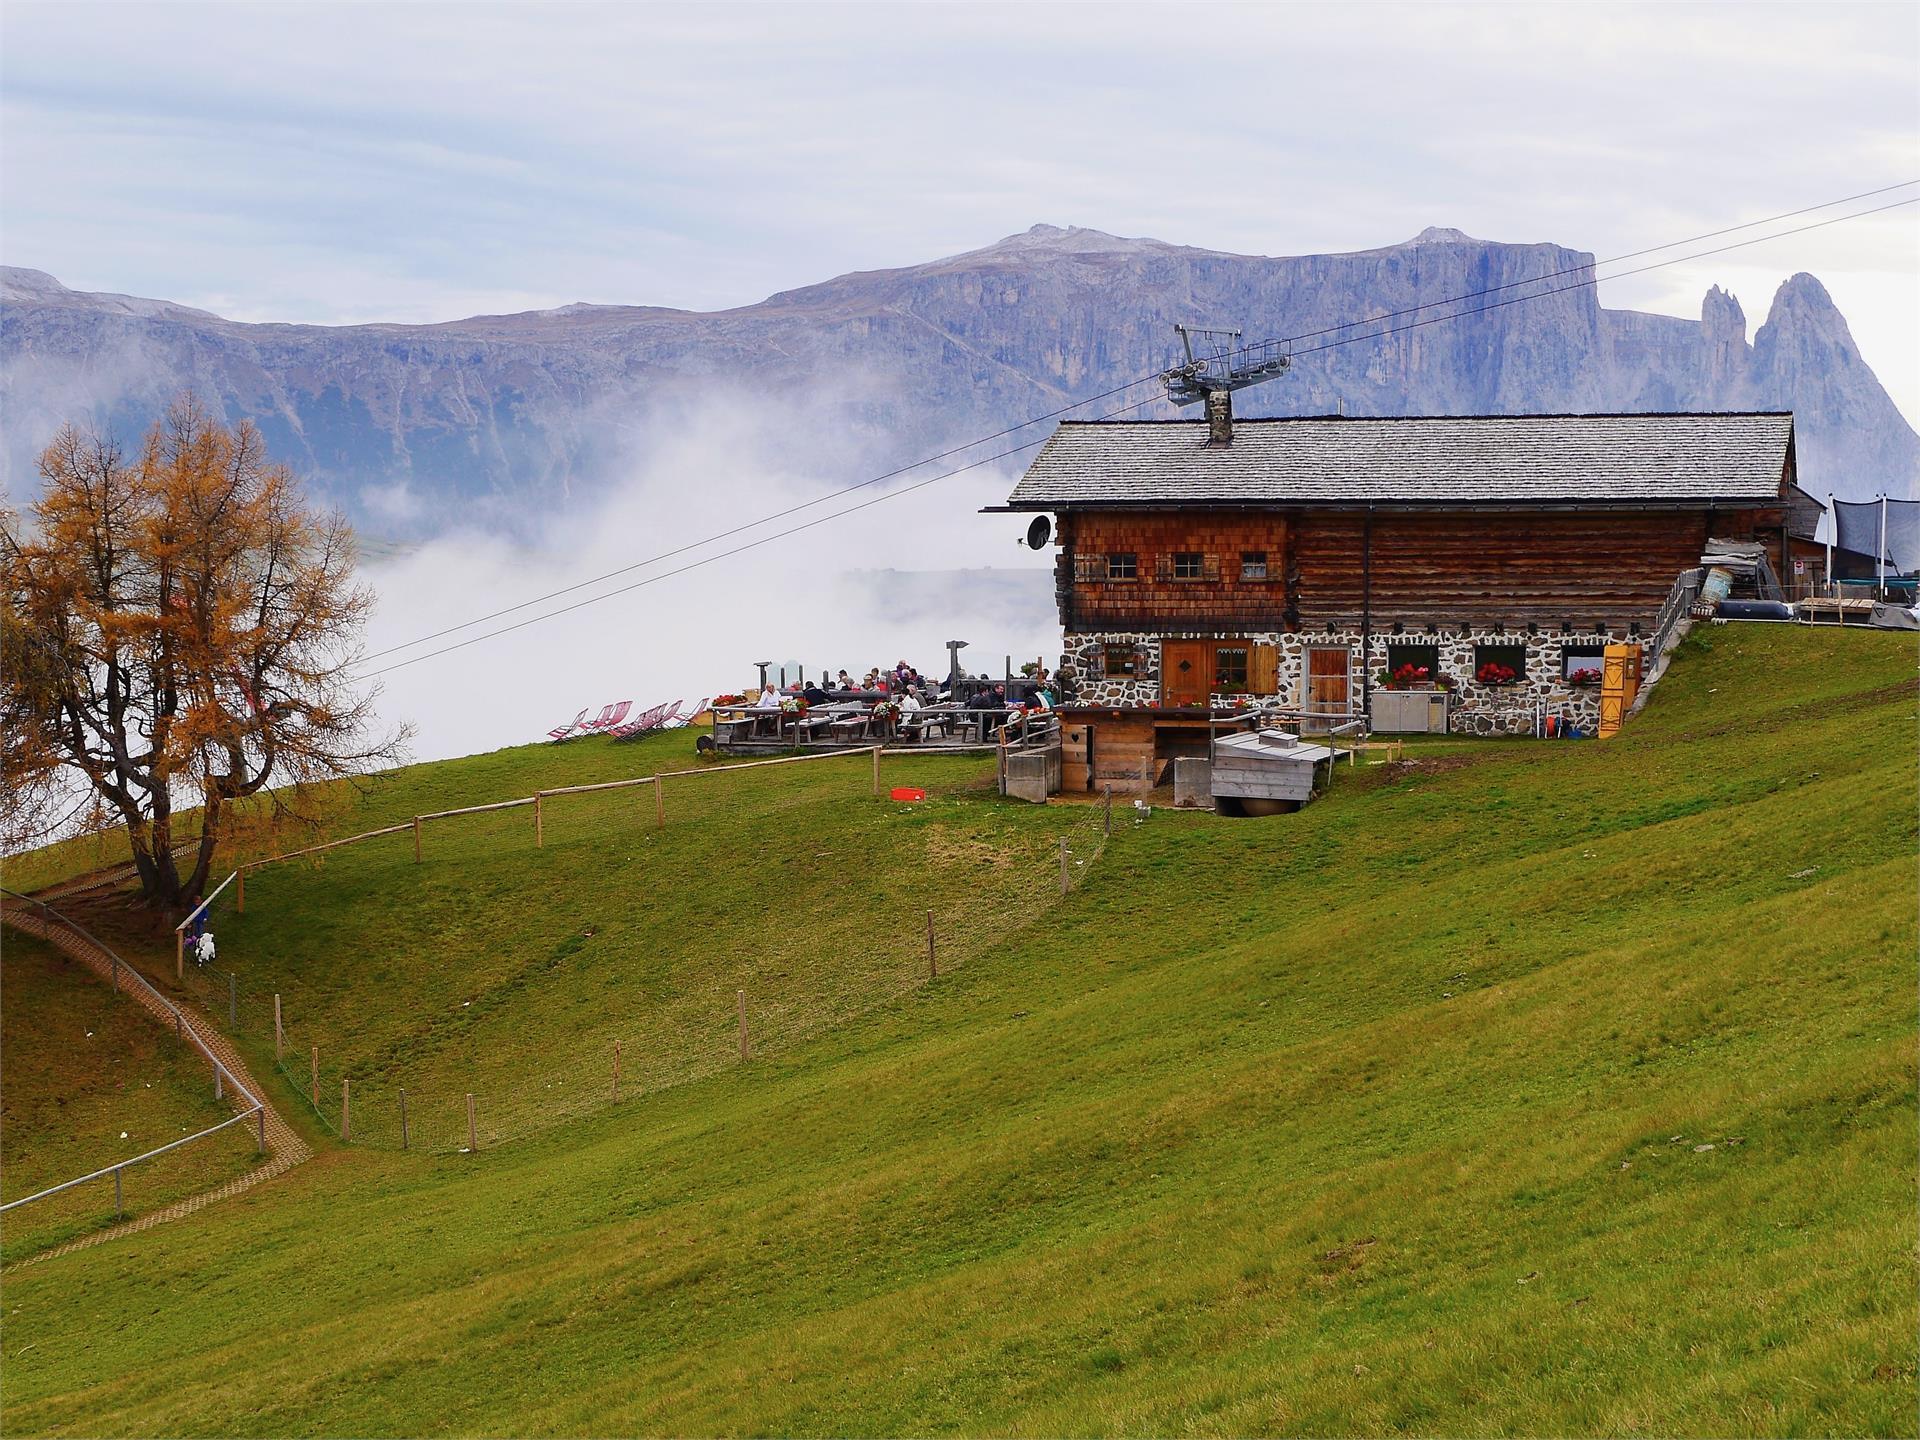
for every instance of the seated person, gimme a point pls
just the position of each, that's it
(814, 695)
(769, 698)
(909, 702)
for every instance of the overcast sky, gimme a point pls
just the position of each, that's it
(351, 162)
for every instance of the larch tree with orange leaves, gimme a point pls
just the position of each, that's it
(178, 629)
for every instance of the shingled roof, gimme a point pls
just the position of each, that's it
(1415, 460)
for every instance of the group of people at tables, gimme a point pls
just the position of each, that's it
(887, 701)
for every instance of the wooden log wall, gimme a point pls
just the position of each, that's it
(1473, 568)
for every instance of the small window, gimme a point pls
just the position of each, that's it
(1499, 664)
(1189, 565)
(1122, 661)
(1410, 665)
(1230, 670)
(1582, 664)
(1123, 567)
(1253, 564)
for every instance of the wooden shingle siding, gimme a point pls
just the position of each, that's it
(1157, 601)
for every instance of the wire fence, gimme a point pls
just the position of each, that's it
(888, 930)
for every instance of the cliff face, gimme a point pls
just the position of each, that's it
(499, 417)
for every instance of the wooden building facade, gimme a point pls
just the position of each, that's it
(1299, 559)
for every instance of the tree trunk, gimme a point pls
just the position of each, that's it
(203, 855)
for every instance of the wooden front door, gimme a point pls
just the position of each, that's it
(1186, 672)
(1329, 671)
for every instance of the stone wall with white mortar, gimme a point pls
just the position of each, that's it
(1476, 709)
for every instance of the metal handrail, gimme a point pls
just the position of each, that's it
(184, 1028)
(119, 1165)
(1686, 589)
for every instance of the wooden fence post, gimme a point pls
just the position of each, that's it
(741, 997)
(933, 966)
(616, 1071)
(539, 828)
(473, 1136)
(346, 1108)
(179, 955)
(876, 770)
(1063, 864)
(260, 1128)
(403, 1119)
(659, 804)
(313, 1062)
(416, 839)
(279, 1034)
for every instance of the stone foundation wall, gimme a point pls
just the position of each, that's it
(1476, 709)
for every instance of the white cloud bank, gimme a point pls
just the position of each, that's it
(884, 584)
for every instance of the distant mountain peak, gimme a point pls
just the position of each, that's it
(1073, 239)
(14, 280)
(507, 415)
(1444, 235)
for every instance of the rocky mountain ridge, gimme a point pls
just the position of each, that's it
(500, 417)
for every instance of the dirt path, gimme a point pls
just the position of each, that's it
(285, 1149)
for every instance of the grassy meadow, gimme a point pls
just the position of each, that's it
(87, 1079)
(1527, 1088)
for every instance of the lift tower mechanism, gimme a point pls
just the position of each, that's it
(1218, 366)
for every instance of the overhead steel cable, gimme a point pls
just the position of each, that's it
(1610, 260)
(1590, 280)
(768, 519)
(738, 549)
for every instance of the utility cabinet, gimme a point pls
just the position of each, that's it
(1408, 712)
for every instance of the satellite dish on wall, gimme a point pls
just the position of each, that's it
(1039, 532)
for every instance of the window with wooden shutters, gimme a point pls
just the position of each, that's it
(1263, 670)
(1122, 662)
(1230, 667)
(1093, 569)
(1187, 565)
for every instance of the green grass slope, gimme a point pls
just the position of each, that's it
(87, 1080)
(1545, 1089)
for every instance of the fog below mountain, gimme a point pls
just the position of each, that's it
(890, 582)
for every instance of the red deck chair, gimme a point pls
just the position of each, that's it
(645, 721)
(600, 721)
(685, 717)
(561, 732)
